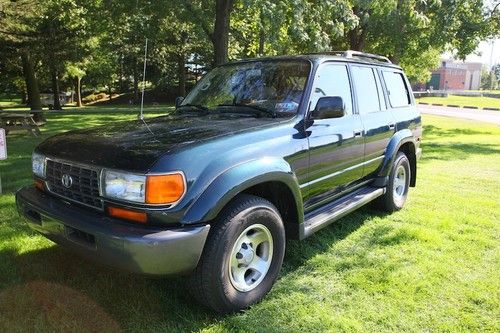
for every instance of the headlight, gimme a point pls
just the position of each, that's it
(124, 186)
(149, 189)
(38, 165)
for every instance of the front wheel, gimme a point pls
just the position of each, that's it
(399, 183)
(242, 257)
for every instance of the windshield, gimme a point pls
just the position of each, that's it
(273, 87)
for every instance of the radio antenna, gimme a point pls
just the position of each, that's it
(141, 116)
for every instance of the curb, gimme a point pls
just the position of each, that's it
(458, 106)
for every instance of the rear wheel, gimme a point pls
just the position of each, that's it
(242, 256)
(399, 183)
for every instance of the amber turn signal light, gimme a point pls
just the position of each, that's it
(128, 214)
(39, 185)
(164, 189)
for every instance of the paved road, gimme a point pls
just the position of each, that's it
(480, 115)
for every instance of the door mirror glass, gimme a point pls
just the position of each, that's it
(329, 107)
(178, 101)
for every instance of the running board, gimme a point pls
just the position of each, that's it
(337, 209)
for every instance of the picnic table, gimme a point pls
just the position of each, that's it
(22, 121)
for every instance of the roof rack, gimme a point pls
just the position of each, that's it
(358, 54)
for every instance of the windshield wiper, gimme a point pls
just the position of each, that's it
(253, 107)
(204, 110)
(196, 106)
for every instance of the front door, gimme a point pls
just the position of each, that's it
(336, 146)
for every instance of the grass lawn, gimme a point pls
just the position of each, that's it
(480, 102)
(434, 266)
(125, 109)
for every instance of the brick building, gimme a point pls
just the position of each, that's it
(456, 76)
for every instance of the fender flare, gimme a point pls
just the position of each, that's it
(397, 140)
(237, 179)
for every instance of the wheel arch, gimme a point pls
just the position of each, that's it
(269, 178)
(401, 141)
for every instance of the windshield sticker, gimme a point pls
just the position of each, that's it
(286, 107)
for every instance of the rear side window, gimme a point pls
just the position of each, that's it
(366, 89)
(396, 89)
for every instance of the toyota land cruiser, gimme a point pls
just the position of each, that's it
(259, 151)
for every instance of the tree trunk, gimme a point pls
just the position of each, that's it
(121, 84)
(357, 39)
(32, 91)
(357, 36)
(55, 86)
(181, 67)
(31, 81)
(400, 29)
(109, 91)
(24, 97)
(78, 91)
(220, 37)
(136, 83)
(262, 40)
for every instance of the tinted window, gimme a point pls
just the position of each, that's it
(396, 89)
(273, 85)
(332, 80)
(383, 103)
(366, 89)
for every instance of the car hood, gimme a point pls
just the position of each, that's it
(136, 145)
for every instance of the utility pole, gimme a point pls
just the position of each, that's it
(492, 73)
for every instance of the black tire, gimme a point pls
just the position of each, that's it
(391, 201)
(211, 283)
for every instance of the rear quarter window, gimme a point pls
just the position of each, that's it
(397, 90)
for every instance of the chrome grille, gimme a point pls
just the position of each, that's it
(84, 187)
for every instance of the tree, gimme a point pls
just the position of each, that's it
(414, 33)
(75, 72)
(18, 40)
(64, 39)
(219, 11)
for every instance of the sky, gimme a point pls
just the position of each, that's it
(486, 56)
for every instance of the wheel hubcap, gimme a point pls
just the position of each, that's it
(400, 183)
(251, 257)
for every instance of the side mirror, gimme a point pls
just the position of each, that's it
(178, 101)
(329, 107)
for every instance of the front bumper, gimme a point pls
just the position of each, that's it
(139, 249)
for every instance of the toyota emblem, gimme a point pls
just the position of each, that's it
(67, 180)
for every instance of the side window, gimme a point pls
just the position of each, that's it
(366, 89)
(332, 80)
(383, 103)
(396, 89)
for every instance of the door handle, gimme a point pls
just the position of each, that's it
(358, 133)
(392, 126)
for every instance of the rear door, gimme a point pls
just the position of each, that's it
(400, 99)
(378, 121)
(336, 145)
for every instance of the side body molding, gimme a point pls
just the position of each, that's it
(398, 139)
(239, 178)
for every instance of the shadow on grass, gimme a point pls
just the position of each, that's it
(456, 151)
(431, 130)
(129, 301)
